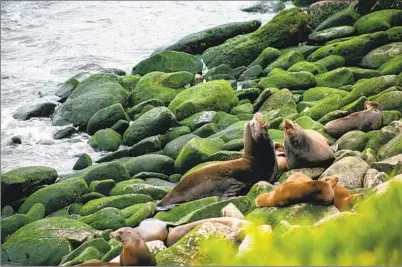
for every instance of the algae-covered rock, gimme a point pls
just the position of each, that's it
(220, 119)
(234, 131)
(155, 192)
(103, 171)
(234, 145)
(378, 138)
(107, 218)
(391, 100)
(135, 214)
(331, 33)
(333, 115)
(196, 151)
(168, 61)
(284, 61)
(93, 94)
(381, 55)
(331, 62)
(139, 108)
(119, 186)
(379, 21)
(353, 49)
(119, 202)
(248, 93)
(56, 196)
(206, 130)
(82, 162)
(17, 183)
(279, 104)
(349, 170)
(214, 95)
(318, 93)
(44, 242)
(278, 78)
(389, 165)
(388, 116)
(242, 109)
(335, 78)
(177, 80)
(225, 155)
(307, 123)
(266, 57)
(357, 105)
(105, 139)
(392, 148)
(174, 133)
(145, 146)
(172, 149)
(176, 213)
(305, 50)
(103, 186)
(281, 31)
(353, 140)
(392, 66)
(156, 121)
(251, 73)
(106, 118)
(86, 198)
(221, 69)
(347, 16)
(312, 67)
(129, 82)
(359, 73)
(150, 163)
(369, 155)
(302, 214)
(324, 106)
(98, 243)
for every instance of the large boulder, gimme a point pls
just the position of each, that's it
(168, 61)
(45, 242)
(107, 218)
(105, 171)
(105, 139)
(320, 11)
(266, 57)
(283, 30)
(214, 95)
(156, 121)
(392, 66)
(21, 182)
(379, 21)
(284, 61)
(150, 163)
(324, 106)
(345, 17)
(279, 104)
(331, 33)
(172, 149)
(335, 78)
(391, 100)
(318, 93)
(392, 148)
(381, 55)
(279, 78)
(93, 94)
(198, 42)
(106, 118)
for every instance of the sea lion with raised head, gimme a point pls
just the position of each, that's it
(368, 119)
(299, 191)
(343, 200)
(306, 148)
(230, 178)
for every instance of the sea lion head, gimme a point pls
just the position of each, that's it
(332, 180)
(259, 131)
(369, 105)
(293, 132)
(125, 234)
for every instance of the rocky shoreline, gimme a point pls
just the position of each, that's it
(185, 107)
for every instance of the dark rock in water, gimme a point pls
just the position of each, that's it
(37, 110)
(21, 182)
(65, 89)
(16, 139)
(120, 126)
(83, 161)
(265, 7)
(168, 61)
(283, 30)
(95, 93)
(106, 118)
(118, 72)
(197, 43)
(65, 133)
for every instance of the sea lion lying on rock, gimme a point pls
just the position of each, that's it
(368, 119)
(152, 229)
(230, 178)
(343, 199)
(299, 191)
(306, 148)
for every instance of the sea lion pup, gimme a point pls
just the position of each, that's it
(343, 199)
(306, 148)
(294, 192)
(178, 232)
(230, 178)
(368, 119)
(281, 156)
(135, 251)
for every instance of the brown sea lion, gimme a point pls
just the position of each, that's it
(230, 178)
(299, 176)
(294, 192)
(281, 156)
(152, 229)
(368, 119)
(175, 234)
(306, 148)
(343, 199)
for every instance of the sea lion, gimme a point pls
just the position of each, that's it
(306, 148)
(230, 178)
(299, 176)
(343, 199)
(281, 156)
(294, 192)
(152, 229)
(135, 251)
(368, 119)
(176, 233)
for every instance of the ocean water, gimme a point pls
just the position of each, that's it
(45, 43)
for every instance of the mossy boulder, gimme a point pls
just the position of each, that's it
(119, 202)
(234, 131)
(318, 93)
(85, 199)
(225, 156)
(307, 123)
(98, 243)
(381, 55)
(103, 186)
(129, 82)
(106, 118)
(378, 138)
(206, 130)
(172, 149)
(155, 192)
(196, 151)
(359, 73)
(279, 104)
(266, 57)
(214, 95)
(220, 119)
(379, 21)
(284, 61)
(320, 11)
(145, 146)
(279, 78)
(150, 163)
(301, 214)
(174, 133)
(177, 80)
(93, 94)
(281, 31)
(395, 34)
(324, 106)
(331, 33)
(168, 61)
(140, 108)
(56, 196)
(391, 100)
(45, 242)
(242, 109)
(135, 214)
(83, 161)
(107, 218)
(353, 140)
(392, 66)
(103, 171)
(21, 182)
(119, 186)
(221, 69)
(176, 213)
(392, 148)
(105, 139)
(388, 116)
(234, 145)
(331, 62)
(353, 49)
(312, 67)
(335, 78)
(345, 17)
(305, 50)
(156, 121)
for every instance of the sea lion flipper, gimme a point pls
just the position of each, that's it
(234, 189)
(165, 208)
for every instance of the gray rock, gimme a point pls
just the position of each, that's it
(37, 110)
(373, 177)
(65, 133)
(387, 165)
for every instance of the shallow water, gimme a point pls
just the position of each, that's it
(44, 43)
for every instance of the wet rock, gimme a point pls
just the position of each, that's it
(379, 21)
(373, 177)
(175, 178)
(313, 68)
(134, 111)
(265, 7)
(234, 145)
(103, 171)
(137, 213)
(388, 164)
(145, 146)
(234, 131)
(105, 139)
(279, 104)
(107, 218)
(221, 119)
(381, 55)
(103, 186)
(150, 163)
(98, 243)
(391, 100)
(278, 78)
(266, 57)
(331, 62)
(353, 140)
(65, 89)
(37, 110)
(324, 106)
(174, 133)
(331, 33)
(206, 130)
(129, 82)
(392, 148)
(305, 50)
(155, 192)
(82, 162)
(16, 140)
(318, 93)
(392, 66)
(65, 133)
(284, 61)
(173, 148)
(251, 73)
(345, 17)
(106, 118)
(335, 78)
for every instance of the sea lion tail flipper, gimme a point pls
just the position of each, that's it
(165, 208)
